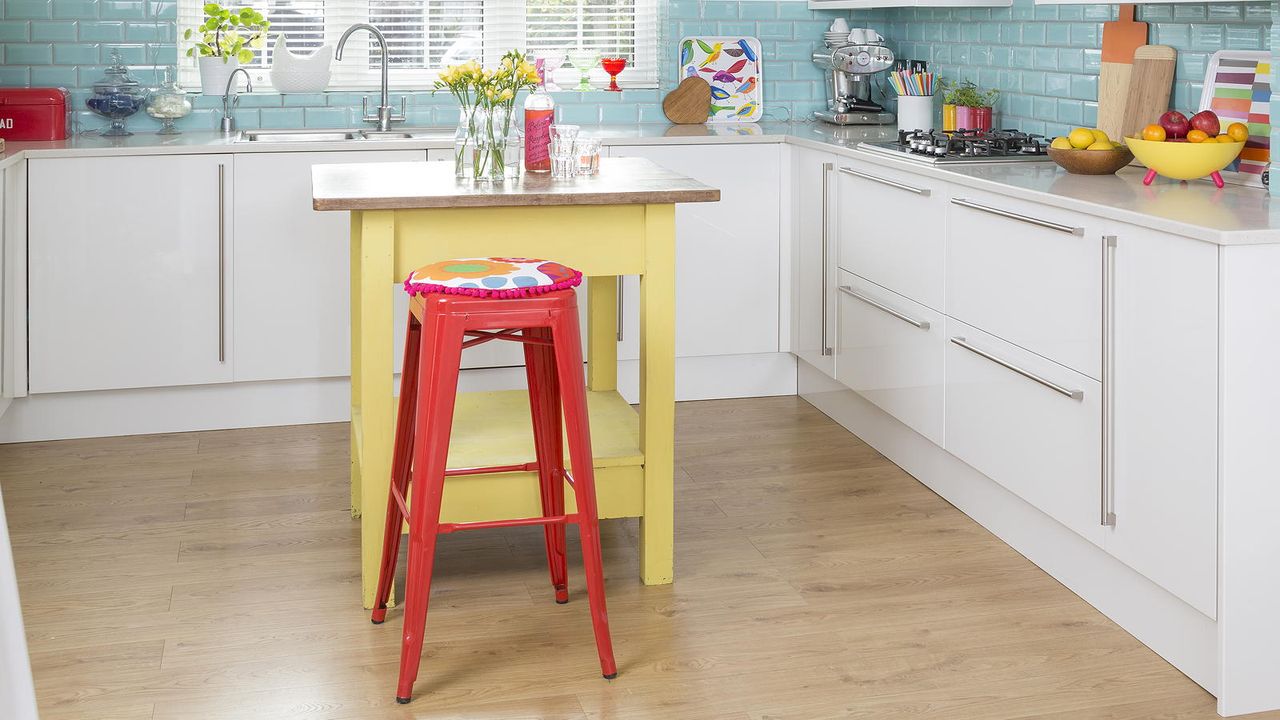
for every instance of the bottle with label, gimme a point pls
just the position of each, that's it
(539, 114)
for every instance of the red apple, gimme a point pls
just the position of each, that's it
(1175, 124)
(1207, 121)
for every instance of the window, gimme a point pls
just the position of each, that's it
(426, 35)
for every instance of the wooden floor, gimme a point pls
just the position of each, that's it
(216, 575)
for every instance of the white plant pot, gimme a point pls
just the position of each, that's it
(214, 73)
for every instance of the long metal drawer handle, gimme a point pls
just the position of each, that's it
(1073, 394)
(1068, 229)
(923, 192)
(826, 348)
(222, 262)
(621, 312)
(922, 324)
(1108, 512)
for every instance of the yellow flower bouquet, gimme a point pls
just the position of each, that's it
(487, 102)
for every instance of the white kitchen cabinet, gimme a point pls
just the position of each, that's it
(129, 272)
(1162, 422)
(292, 296)
(1027, 423)
(1027, 273)
(727, 252)
(813, 265)
(890, 351)
(13, 284)
(891, 229)
(6, 301)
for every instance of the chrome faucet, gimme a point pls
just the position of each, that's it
(230, 99)
(384, 116)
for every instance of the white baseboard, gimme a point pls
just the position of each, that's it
(59, 416)
(1176, 631)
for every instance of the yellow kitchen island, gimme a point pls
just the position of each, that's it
(620, 222)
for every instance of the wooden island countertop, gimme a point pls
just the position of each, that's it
(416, 185)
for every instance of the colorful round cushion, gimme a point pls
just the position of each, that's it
(497, 277)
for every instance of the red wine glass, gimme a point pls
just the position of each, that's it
(613, 66)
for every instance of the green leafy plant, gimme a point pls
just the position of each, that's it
(228, 33)
(967, 94)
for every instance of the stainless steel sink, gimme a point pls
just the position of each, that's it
(343, 135)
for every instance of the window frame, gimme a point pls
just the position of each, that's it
(503, 27)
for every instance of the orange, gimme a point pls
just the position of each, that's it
(1197, 136)
(1153, 132)
(1239, 132)
(1224, 138)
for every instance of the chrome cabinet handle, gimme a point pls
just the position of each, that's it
(922, 324)
(922, 192)
(826, 268)
(620, 311)
(222, 264)
(1073, 394)
(1068, 229)
(1107, 512)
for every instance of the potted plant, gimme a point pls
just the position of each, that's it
(486, 98)
(970, 107)
(226, 38)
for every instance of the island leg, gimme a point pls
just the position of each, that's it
(371, 380)
(657, 394)
(602, 333)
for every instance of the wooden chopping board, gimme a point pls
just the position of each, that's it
(1150, 83)
(689, 103)
(1120, 40)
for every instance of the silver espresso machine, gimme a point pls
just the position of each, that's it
(851, 70)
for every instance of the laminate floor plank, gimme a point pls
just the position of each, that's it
(215, 575)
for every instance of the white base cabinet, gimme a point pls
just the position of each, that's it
(727, 252)
(129, 272)
(813, 258)
(890, 351)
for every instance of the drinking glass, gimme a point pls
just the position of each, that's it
(613, 66)
(564, 160)
(550, 63)
(584, 59)
(587, 150)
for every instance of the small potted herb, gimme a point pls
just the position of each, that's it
(225, 39)
(970, 107)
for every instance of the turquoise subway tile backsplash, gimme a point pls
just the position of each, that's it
(1045, 59)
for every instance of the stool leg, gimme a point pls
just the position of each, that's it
(438, 377)
(399, 468)
(544, 405)
(568, 350)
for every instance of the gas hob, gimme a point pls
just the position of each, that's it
(963, 147)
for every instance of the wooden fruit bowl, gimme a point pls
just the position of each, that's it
(1091, 162)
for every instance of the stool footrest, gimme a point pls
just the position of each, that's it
(518, 467)
(522, 522)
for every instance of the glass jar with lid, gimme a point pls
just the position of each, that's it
(116, 96)
(168, 104)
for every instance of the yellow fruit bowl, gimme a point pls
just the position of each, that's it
(1184, 160)
(1091, 162)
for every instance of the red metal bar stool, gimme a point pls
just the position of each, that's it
(457, 304)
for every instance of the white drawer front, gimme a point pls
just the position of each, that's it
(1029, 274)
(1031, 425)
(890, 351)
(891, 229)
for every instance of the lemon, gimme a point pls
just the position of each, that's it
(1061, 143)
(1099, 135)
(1101, 145)
(1081, 138)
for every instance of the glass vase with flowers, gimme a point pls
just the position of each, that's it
(486, 146)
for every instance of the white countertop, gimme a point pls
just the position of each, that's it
(1234, 215)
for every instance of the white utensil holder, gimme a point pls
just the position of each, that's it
(915, 112)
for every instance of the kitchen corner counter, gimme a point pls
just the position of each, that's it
(1235, 215)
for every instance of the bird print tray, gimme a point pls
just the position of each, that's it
(732, 66)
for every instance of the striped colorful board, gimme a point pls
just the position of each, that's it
(1237, 87)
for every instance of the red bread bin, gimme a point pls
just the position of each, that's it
(33, 113)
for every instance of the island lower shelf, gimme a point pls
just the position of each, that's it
(494, 428)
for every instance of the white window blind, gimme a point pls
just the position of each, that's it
(423, 36)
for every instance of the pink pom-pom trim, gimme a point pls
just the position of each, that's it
(419, 288)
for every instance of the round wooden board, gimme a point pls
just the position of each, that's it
(688, 104)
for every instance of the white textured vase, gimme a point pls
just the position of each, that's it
(214, 73)
(300, 73)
